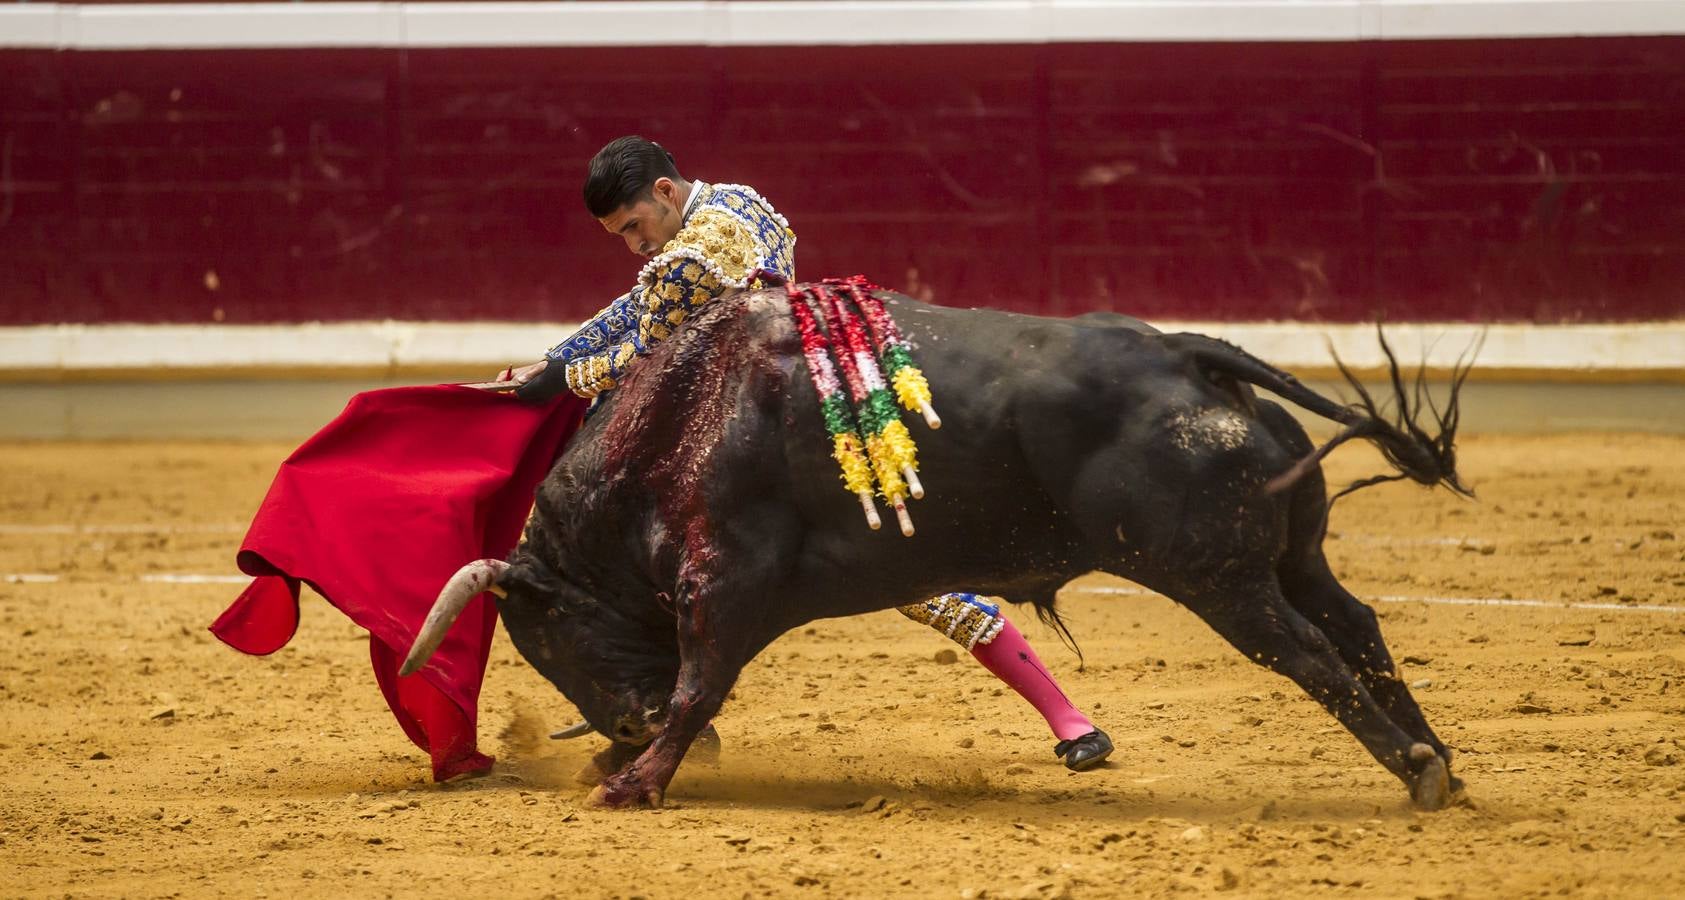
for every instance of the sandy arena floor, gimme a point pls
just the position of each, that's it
(142, 758)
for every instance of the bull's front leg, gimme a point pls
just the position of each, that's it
(710, 659)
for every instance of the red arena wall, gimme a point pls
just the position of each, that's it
(1519, 180)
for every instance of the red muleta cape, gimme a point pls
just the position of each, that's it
(375, 512)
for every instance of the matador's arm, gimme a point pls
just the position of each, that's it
(714, 255)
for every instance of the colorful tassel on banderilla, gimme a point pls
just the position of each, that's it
(868, 439)
(846, 447)
(907, 379)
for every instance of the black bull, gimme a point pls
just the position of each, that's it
(697, 516)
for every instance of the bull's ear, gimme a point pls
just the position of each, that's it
(526, 581)
(532, 581)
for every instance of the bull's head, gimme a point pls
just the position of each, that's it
(610, 663)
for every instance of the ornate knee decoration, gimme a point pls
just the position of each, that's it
(966, 618)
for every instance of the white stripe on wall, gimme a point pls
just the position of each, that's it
(591, 23)
(51, 351)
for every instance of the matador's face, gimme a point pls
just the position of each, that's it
(647, 225)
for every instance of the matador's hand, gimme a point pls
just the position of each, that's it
(525, 373)
(540, 381)
(510, 380)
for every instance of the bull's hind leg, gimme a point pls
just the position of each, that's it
(1352, 627)
(1255, 617)
(1313, 590)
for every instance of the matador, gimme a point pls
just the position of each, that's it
(705, 241)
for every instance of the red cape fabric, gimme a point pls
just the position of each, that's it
(375, 513)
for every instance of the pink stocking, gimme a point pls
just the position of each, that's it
(1009, 656)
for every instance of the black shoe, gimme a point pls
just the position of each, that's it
(1086, 752)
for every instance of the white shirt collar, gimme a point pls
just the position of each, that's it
(695, 195)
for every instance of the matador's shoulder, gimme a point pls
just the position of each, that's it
(712, 242)
(745, 203)
(733, 234)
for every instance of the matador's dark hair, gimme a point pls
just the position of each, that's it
(624, 172)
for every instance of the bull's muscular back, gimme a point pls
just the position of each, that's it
(714, 445)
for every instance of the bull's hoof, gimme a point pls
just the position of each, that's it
(616, 795)
(606, 762)
(1084, 753)
(1431, 787)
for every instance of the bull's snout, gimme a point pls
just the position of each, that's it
(640, 727)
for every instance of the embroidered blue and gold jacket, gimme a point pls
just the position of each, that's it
(731, 239)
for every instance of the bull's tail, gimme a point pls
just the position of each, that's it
(1425, 458)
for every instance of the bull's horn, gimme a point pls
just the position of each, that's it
(578, 729)
(469, 582)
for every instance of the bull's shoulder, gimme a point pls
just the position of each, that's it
(768, 317)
